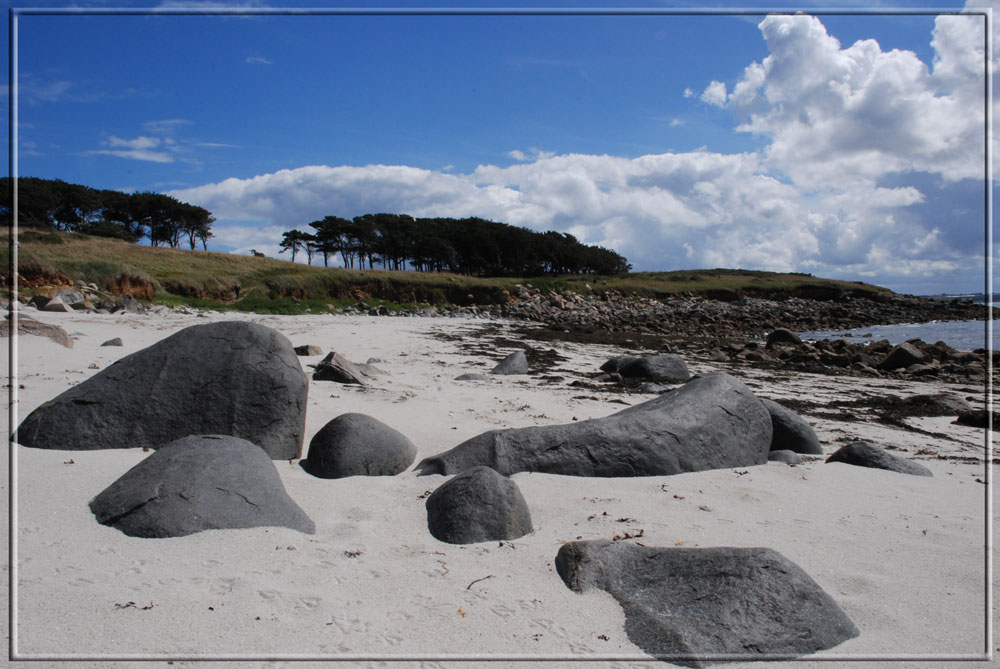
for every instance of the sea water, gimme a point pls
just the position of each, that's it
(960, 335)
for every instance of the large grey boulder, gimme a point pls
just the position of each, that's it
(478, 505)
(354, 444)
(699, 606)
(665, 367)
(867, 454)
(791, 431)
(515, 363)
(201, 482)
(713, 421)
(235, 378)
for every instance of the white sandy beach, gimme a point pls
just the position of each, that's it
(904, 556)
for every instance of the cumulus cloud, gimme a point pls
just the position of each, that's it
(715, 94)
(836, 115)
(871, 171)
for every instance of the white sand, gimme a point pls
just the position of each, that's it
(904, 556)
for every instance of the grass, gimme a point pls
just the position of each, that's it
(208, 279)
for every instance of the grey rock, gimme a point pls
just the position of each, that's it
(515, 363)
(701, 606)
(937, 404)
(713, 421)
(199, 482)
(788, 457)
(117, 341)
(478, 505)
(473, 376)
(782, 336)
(666, 367)
(791, 431)
(354, 444)
(229, 377)
(902, 356)
(308, 349)
(978, 418)
(56, 304)
(866, 454)
(337, 368)
(615, 364)
(28, 326)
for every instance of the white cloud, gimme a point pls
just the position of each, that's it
(139, 143)
(837, 115)
(866, 174)
(259, 60)
(140, 148)
(715, 94)
(165, 126)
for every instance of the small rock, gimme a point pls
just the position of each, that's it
(473, 376)
(782, 336)
(866, 454)
(901, 356)
(515, 363)
(789, 457)
(117, 341)
(308, 349)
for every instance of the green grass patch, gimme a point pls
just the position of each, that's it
(268, 285)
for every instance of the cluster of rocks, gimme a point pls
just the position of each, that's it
(912, 359)
(88, 297)
(725, 313)
(692, 315)
(219, 401)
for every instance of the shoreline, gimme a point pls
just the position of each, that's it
(889, 548)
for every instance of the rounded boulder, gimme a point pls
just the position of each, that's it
(478, 505)
(202, 482)
(355, 444)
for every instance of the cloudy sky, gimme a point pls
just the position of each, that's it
(846, 146)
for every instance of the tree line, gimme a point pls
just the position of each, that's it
(471, 246)
(57, 205)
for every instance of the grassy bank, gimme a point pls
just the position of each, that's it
(208, 279)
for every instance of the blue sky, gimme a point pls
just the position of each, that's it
(844, 146)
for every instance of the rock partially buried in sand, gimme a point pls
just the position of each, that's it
(515, 363)
(354, 444)
(337, 368)
(685, 605)
(231, 377)
(28, 326)
(204, 482)
(665, 367)
(117, 341)
(867, 454)
(478, 505)
(473, 376)
(713, 421)
(788, 457)
(791, 431)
